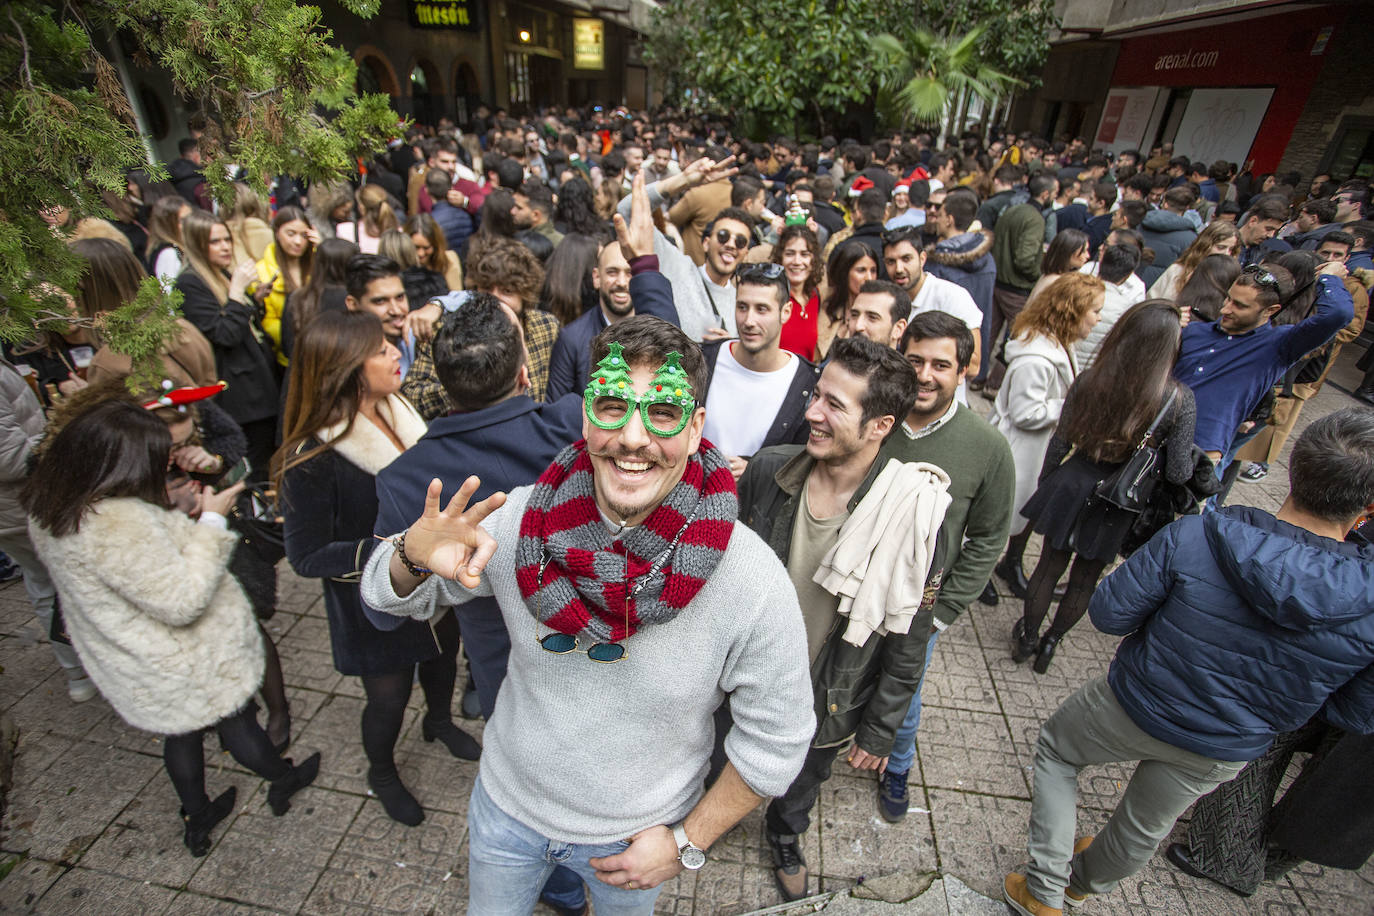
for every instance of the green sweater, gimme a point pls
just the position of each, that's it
(1018, 245)
(982, 483)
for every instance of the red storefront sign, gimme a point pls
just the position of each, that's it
(1272, 51)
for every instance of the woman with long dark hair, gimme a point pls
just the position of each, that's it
(851, 265)
(575, 211)
(1108, 410)
(284, 268)
(1201, 297)
(1067, 252)
(164, 633)
(218, 304)
(324, 291)
(799, 252)
(497, 224)
(345, 422)
(568, 288)
(1041, 365)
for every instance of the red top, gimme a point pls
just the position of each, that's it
(799, 332)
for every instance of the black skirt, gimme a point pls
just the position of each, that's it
(1064, 510)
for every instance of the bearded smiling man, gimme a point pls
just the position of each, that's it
(627, 552)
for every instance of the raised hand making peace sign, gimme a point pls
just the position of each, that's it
(450, 542)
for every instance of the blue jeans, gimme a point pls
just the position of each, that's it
(904, 746)
(508, 864)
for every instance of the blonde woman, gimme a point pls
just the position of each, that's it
(248, 225)
(162, 256)
(375, 216)
(1215, 238)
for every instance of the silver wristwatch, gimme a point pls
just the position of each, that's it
(691, 856)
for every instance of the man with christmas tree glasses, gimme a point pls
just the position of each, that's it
(627, 551)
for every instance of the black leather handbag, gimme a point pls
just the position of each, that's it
(1130, 486)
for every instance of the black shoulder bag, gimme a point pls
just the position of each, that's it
(1130, 486)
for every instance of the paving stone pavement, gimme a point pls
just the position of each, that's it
(92, 825)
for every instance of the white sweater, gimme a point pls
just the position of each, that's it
(592, 753)
(159, 623)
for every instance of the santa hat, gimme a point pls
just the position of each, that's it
(860, 185)
(902, 188)
(180, 397)
(918, 174)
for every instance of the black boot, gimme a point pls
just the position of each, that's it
(1022, 643)
(199, 825)
(989, 595)
(1044, 654)
(1365, 393)
(400, 805)
(459, 743)
(280, 791)
(1010, 570)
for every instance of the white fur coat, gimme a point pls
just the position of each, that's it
(159, 623)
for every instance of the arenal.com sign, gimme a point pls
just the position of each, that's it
(463, 15)
(1188, 60)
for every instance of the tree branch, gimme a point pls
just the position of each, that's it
(254, 96)
(24, 44)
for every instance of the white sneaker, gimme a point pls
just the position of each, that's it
(81, 689)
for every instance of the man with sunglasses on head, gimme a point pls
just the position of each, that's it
(758, 392)
(636, 604)
(1231, 363)
(861, 536)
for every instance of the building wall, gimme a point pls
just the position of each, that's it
(1344, 89)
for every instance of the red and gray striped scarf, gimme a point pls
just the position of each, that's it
(578, 578)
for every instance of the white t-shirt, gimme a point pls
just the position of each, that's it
(937, 295)
(742, 403)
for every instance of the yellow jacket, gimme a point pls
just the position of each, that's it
(275, 303)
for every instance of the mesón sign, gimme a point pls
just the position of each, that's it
(463, 15)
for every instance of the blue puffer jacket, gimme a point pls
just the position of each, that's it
(1241, 627)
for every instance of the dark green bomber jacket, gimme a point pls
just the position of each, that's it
(859, 692)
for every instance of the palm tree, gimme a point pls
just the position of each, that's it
(927, 74)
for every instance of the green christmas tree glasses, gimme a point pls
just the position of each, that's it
(665, 408)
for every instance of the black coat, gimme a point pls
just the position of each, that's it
(243, 357)
(330, 506)
(788, 426)
(1327, 816)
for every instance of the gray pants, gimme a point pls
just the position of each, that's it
(1090, 728)
(42, 593)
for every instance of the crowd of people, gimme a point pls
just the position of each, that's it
(669, 434)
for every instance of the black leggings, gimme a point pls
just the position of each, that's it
(387, 696)
(1082, 581)
(242, 736)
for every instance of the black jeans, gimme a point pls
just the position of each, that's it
(790, 813)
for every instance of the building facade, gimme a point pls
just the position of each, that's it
(1276, 86)
(443, 58)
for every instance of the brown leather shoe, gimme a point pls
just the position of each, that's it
(789, 866)
(1072, 895)
(1019, 898)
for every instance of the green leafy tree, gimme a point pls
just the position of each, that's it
(771, 62)
(277, 95)
(1015, 33)
(927, 72)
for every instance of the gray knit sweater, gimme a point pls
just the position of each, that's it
(592, 753)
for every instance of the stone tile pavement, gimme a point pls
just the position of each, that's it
(92, 825)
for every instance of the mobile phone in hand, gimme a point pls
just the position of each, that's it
(232, 476)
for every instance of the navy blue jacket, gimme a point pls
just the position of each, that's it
(456, 223)
(507, 445)
(1238, 627)
(570, 364)
(1168, 234)
(1230, 373)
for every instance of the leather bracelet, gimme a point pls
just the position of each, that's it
(418, 572)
